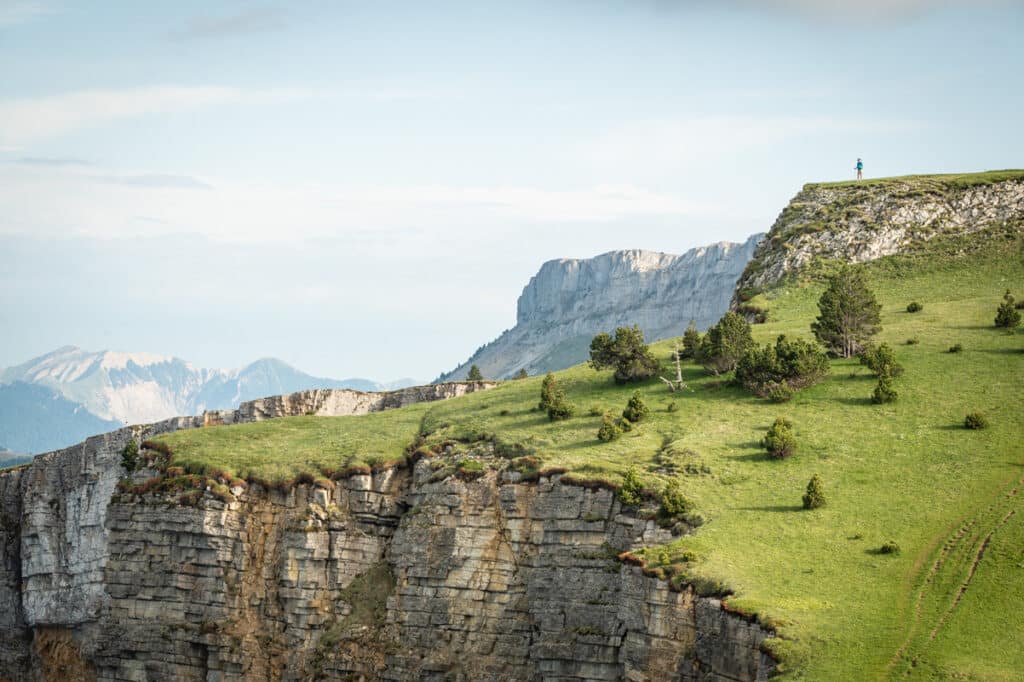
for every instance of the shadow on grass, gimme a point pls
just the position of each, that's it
(1003, 351)
(775, 508)
(951, 427)
(877, 551)
(849, 400)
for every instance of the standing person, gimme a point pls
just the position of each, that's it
(860, 169)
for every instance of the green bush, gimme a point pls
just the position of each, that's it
(673, 502)
(632, 491)
(725, 344)
(636, 409)
(975, 421)
(914, 307)
(780, 393)
(850, 314)
(815, 495)
(797, 364)
(881, 359)
(474, 374)
(891, 547)
(672, 407)
(595, 411)
(1007, 315)
(609, 430)
(913, 341)
(956, 348)
(884, 391)
(780, 441)
(691, 342)
(521, 374)
(547, 391)
(130, 456)
(626, 353)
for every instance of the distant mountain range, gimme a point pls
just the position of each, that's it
(60, 398)
(570, 300)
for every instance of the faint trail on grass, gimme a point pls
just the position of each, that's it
(953, 547)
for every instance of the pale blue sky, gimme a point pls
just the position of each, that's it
(364, 188)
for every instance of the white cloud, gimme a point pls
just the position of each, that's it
(14, 12)
(28, 119)
(59, 201)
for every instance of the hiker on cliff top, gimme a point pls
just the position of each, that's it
(860, 169)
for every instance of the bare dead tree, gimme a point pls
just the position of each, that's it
(678, 384)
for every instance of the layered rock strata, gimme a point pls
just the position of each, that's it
(399, 574)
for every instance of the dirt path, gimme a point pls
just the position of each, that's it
(942, 587)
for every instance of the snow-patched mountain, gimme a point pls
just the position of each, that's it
(97, 389)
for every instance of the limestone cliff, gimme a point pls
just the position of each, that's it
(404, 573)
(859, 222)
(570, 300)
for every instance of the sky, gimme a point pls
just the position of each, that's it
(363, 189)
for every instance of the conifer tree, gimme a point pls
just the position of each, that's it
(850, 314)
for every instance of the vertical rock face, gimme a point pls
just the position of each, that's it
(569, 301)
(392, 575)
(858, 222)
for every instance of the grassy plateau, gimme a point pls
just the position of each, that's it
(948, 605)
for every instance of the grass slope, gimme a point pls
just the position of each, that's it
(939, 181)
(907, 472)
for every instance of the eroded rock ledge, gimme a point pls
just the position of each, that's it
(391, 575)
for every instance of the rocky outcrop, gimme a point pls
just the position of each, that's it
(859, 222)
(570, 300)
(394, 574)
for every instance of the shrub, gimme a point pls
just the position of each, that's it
(956, 348)
(797, 364)
(780, 441)
(130, 456)
(521, 374)
(884, 391)
(672, 407)
(849, 314)
(673, 502)
(626, 353)
(636, 410)
(815, 495)
(691, 342)
(560, 407)
(609, 430)
(1007, 315)
(975, 421)
(474, 374)
(891, 547)
(595, 411)
(547, 391)
(913, 341)
(780, 393)
(914, 307)
(754, 314)
(881, 359)
(632, 491)
(725, 344)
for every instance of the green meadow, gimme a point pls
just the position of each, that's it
(946, 606)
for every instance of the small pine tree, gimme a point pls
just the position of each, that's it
(626, 353)
(547, 392)
(609, 430)
(559, 408)
(884, 391)
(725, 344)
(850, 314)
(673, 502)
(975, 421)
(780, 441)
(632, 490)
(474, 374)
(691, 342)
(130, 456)
(881, 359)
(1007, 316)
(815, 495)
(521, 374)
(636, 410)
